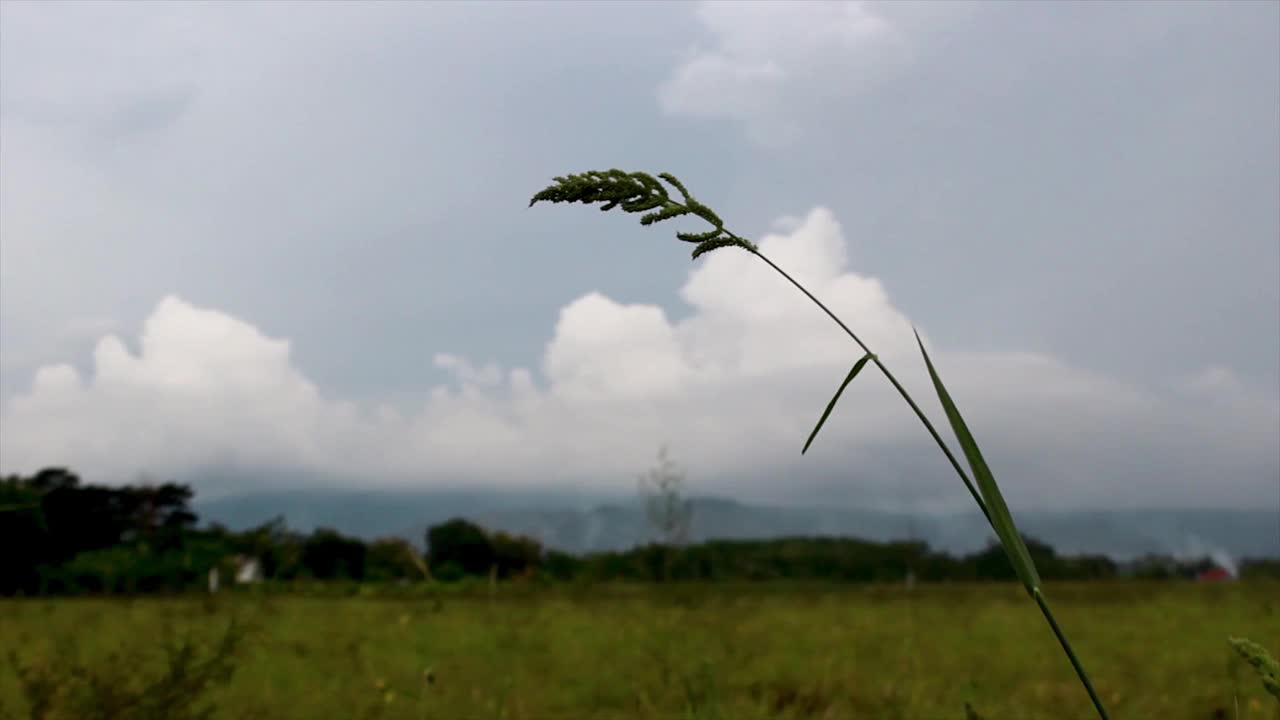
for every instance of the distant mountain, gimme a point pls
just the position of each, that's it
(374, 513)
(577, 522)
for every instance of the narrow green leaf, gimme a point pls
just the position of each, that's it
(1001, 519)
(857, 368)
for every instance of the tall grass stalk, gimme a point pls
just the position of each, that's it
(1261, 661)
(638, 192)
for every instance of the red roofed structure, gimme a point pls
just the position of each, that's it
(1215, 574)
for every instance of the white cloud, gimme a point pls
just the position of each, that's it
(773, 61)
(734, 388)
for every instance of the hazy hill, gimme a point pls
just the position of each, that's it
(576, 522)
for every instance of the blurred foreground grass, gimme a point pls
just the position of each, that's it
(1156, 650)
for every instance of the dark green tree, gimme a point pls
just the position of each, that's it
(460, 544)
(392, 559)
(328, 555)
(514, 555)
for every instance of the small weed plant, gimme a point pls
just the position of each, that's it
(118, 688)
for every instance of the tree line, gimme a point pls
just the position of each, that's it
(62, 536)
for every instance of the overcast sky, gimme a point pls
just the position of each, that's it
(292, 240)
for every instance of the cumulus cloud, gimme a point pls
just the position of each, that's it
(771, 63)
(734, 388)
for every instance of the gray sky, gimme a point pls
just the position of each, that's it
(295, 236)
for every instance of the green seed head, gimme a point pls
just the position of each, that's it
(639, 192)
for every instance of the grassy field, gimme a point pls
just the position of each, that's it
(727, 652)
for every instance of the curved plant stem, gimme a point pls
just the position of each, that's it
(1071, 655)
(893, 380)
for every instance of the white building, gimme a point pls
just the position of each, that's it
(246, 570)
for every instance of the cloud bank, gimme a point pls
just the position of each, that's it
(733, 388)
(771, 64)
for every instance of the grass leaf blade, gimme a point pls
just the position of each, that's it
(857, 368)
(1001, 519)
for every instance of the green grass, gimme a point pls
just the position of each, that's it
(712, 651)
